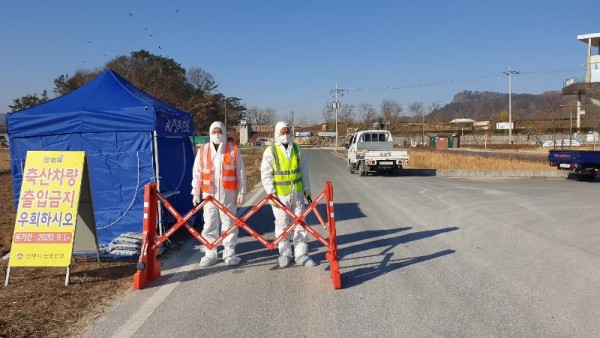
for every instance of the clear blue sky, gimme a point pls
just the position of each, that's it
(288, 55)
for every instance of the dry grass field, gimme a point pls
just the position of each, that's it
(37, 304)
(449, 159)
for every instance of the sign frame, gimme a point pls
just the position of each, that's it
(60, 240)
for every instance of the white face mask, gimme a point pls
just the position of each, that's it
(285, 139)
(216, 138)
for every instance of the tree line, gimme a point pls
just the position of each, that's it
(479, 106)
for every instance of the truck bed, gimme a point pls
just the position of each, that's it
(584, 163)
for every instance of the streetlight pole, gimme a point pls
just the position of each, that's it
(336, 105)
(570, 125)
(423, 128)
(510, 73)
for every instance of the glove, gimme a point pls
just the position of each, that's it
(273, 204)
(240, 199)
(196, 200)
(307, 196)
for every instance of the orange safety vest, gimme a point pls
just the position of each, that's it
(228, 170)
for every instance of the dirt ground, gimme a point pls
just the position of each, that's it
(37, 304)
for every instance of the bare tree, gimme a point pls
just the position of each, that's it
(267, 116)
(301, 121)
(346, 114)
(252, 115)
(391, 111)
(553, 103)
(434, 107)
(328, 113)
(368, 114)
(200, 79)
(592, 113)
(519, 110)
(417, 110)
(460, 109)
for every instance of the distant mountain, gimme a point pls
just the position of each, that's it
(484, 105)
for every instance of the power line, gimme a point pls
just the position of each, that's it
(428, 84)
(303, 102)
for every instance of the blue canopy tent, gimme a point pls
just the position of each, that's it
(130, 139)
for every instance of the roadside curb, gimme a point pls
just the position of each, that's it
(486, 173)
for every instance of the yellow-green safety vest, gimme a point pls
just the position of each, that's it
(286, 172)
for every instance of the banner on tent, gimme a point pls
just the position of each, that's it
(55, 212)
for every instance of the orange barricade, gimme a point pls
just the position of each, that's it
(149, 266)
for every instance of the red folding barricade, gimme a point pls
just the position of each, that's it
(149, 266)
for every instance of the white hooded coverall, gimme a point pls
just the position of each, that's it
(212, 215)
(293, 201)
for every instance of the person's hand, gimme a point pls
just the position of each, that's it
(240, 199)
(273, 204)
(307, 196)
(196, 200)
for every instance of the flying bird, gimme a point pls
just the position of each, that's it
(130, 14)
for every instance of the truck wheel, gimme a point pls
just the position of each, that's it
(398, 170)
(351, 168)
(588, 176)
(585, 177)
(361, 169)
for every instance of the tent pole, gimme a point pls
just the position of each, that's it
(157, 168)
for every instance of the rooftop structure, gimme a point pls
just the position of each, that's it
(587, 87)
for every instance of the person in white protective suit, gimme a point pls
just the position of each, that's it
(284, 173)
(219, 171)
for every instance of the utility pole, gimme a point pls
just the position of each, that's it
(510, 74)
(423, 128)
(336, 105)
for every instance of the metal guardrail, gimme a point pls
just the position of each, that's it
(577, 79)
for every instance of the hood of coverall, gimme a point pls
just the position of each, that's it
(278, 126)
(223, 137)
(217, 124)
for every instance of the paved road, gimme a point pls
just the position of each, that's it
(420, 256)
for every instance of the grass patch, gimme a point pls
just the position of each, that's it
(425, 158)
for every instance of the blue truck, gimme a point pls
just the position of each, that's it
(583, 163)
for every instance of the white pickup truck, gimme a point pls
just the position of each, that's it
(373, 151)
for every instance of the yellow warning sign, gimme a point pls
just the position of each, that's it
(47, 212)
